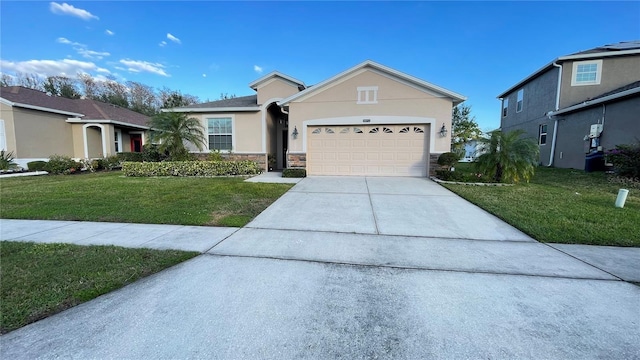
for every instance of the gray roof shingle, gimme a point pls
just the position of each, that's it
(237, 102)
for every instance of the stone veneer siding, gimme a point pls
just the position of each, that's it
(261, 159)
(433, 164)
(297, 161)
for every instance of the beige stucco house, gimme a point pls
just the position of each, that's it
(368, 120)
(34, 126)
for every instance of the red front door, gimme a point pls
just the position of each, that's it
(136, 143)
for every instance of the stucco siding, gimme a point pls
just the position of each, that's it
(275, 89)
(393, 99)
(621, 126)
(247, 130)
(39, 134)
(616, 72)
(6, 114)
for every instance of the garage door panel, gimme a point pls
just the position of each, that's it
(375, 150)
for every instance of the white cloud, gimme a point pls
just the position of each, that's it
(103, 70)
(162, 43)
(65, 67)
(136, 66)
(109, 32)
(90, 54)
(204, 75)
(173, 38)
(83, 50)
(66, 9)
(257, 69)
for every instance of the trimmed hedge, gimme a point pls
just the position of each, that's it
(294, 173)
(191, 168)
(37, 165)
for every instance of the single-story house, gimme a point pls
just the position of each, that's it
(35, 125)
(367, 120)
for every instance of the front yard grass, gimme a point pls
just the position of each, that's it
(562, 206)
(111, 197)
(39, 280)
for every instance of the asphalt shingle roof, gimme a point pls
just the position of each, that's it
(91, 109)
(241, 101)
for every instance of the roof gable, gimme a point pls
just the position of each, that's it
(276, 74)
(381, 69)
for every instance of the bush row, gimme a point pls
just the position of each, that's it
(59, 164)
(191, 168)
(294, 173)
(626, 160)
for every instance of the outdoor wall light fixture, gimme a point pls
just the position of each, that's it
(443, 131)
(294, 134)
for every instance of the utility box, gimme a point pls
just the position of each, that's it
(596, 130)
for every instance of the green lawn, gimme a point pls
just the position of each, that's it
(563, 206)
(39, 280)
(109, 196)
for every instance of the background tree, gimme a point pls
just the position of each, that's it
(113, 92)
(508, 157)
(30, 81)
(464, 128)
(142, 98)
(88, 86)
(61, 86)
(225, 96)
(172, 130)
(172, 98)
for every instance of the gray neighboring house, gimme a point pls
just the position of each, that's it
(578, 104)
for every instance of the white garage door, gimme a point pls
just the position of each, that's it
(373, 150)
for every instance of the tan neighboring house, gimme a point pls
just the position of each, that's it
(35, 125)
(368, 120)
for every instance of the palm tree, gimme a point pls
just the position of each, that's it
(508, 156)
(172, 129)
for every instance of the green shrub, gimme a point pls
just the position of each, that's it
(448, 159)
(626, 160)
(215, 155)
(60, 164)
(448, 175)
(6, 160)
(37, 165)
(131, 156)
(191, 168)
(112, 162)
(294, 173)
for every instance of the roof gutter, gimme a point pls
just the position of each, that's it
(551, 113)
(115, 122)
(200, 110)
(40, 108)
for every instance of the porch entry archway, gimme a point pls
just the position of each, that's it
(95, 141)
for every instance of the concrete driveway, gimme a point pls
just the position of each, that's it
(357, 268)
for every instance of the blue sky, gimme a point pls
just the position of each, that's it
(203, 48)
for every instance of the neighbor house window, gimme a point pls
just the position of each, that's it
(505, 107)
(542, 137)
(220, 131)
(520, 100)
(367, 95)
(586, 72)
(117, 139)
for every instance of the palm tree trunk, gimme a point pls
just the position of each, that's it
(498, 176)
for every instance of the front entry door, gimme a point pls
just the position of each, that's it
(136, 143)
(284, 148)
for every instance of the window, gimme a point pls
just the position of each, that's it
(220, 131)
(519, 102)
(542, 134)
(117, 138)
(367, 95)
(505, 107)
(586, 72)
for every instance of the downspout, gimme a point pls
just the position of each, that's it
(555, 124)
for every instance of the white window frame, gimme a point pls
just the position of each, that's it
(367, 95)
(505, 107)
(117, 141)
(233, 131)
(520, 100)
(574, 74)
(542, 127)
